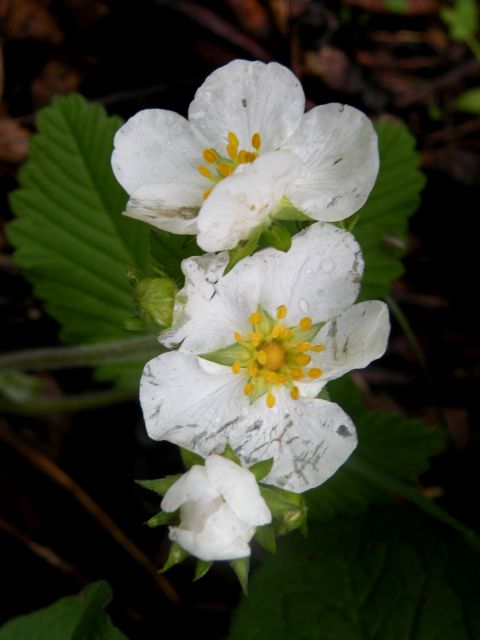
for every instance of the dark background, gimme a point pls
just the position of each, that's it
(59, 532)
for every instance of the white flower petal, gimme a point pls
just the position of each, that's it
(354, 339)
(239, 488)
(224, 537)
(151, 204)
(189, 407)
(308, 439)
(246, 98)
(193, 485)
(240, 203)
(158, 147)
(338, 146)
(194, 513)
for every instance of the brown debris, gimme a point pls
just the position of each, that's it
(56, 78)
(412, 8)
(13, 141)
(22, 19)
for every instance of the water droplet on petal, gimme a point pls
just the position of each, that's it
(327, 265)
(303, 306)
(217, 420)
(308, 272)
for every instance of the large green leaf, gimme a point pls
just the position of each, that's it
(391, 575)
(382, 222)
(71, 239)
(391, 453)
(71, 618)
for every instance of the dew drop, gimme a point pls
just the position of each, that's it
(303, 306)
(217, 420)
(308, 272)
(327, 265)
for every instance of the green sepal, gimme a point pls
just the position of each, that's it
(230, 454)
(241, 567)
(324, 395)
(163, 517)
(277, 237)
(260, 388)
(20, 387)
(266, 325)
(305, 335)
(228, 355)
(288, 509)
(155, 297)
(287, 211)
(175, 556)
(189, 458)
(244, 249)
(160, 486)
(265, 536)
(134, 323)
(201, 568)
(261, 469)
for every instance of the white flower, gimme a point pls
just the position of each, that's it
(220, 508)
(246, 145)
(285, 325)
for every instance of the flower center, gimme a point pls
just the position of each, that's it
(223, 166)
(273, 355)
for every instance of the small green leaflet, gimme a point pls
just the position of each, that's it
(71, 239)
(382, 223)
(391, 575)
(71, 618)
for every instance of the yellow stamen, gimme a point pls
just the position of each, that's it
(270, 376)
(248, 388)
(209, 155)
(294, 393)
(262, 357)
(224, 170)
(277, 331)
(297, 374)
(286, 333)
(315, 373)
(281, 379)
(205, 171)
(318, 348)
(253, 370)
(238, 336)
(256, 141)
(256, 338)
(281, 312)
(232, 139)
(302, 359)
(270, 400)
(255, 318)
(275, 356)
(250, 157)
(236, 366)
(206, 193)
(305, 323)
(303, 346)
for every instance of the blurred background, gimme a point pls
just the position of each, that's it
(70, 512)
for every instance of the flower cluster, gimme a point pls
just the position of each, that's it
(251, 348)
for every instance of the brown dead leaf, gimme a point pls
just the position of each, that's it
(86, 13)
(22, 19)
(413, 7)
(252, 16)
(13, 141)
(56, 78)
(334, 68)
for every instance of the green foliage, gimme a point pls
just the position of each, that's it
(241, 566)
(391, 575)
(168, 250)
(392, 452)
(71, 240)
(382, 223)
(175, 556)
(461, 19)
(469, 101)
(189, 458)
(160, 486)
(71, 618)
(261, 469)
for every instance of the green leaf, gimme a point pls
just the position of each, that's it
(469, 101)
(71, 239)
(244, 249)
(71, 618)
(392, 451)
(241, 567)
(461, 19)
(20, 387)
(288, 509)
(168, 250)
(277, 237)
(161, 518)
(160, 486)
(382, 224)
(265, 536)
(391, 575)
(396, 6)
(201, 568)
(189, 458)
(176, 555)
(261, 469)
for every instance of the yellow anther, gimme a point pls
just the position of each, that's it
(318, 348)
(286, 333)
(205, 171)
(281, 378)
(256, 338)
(302, 359)
(224, 170)
(294, 393)
(270, 400)
(236, 366)
(315, 373)
(248, 388)
(232, 139)
(238, 336)
(303, 346)
(281, 312)
(256, 141)
(209, 155)
(250, 157)
(277, 331)
(206, 193)
(253, 371)
(255, 318)
(297, 374)
(275, 354)
(232, 151)
(242, 156)
(270, 376)
(305, 323)
(262, 357)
